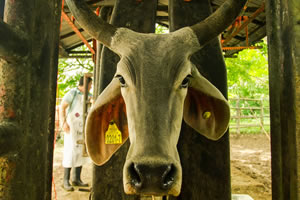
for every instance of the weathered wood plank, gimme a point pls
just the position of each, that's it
(139, 16)
(27, 100)
(283, 21)
(205, 164)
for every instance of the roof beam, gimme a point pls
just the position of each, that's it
(70, 34)
(104, 3)
(162, 18)
(77, 45)
(245, 24)
(62, 51)
(65, 17)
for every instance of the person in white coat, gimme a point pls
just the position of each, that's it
(71, 118)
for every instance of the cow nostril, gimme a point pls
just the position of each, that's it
(168, 177)
(135, 176)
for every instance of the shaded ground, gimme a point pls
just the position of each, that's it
(250, 169)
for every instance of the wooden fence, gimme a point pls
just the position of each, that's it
(247, 113)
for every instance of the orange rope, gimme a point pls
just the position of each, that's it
(53, 183)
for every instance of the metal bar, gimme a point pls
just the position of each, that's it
(62, 9)
(252, 17)
(247, 34)
(72, 25)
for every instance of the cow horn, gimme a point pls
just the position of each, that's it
(89, 21)
(217, 22)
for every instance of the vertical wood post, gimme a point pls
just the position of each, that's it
(205, 163)
(262, 115)
(27, 98)
(283, 31)
(2, 9)
(138, 16)
(238, 114)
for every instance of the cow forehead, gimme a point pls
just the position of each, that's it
(125, 41)
(154, 57)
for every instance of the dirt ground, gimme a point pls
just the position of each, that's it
(250, 169)
(251, 166)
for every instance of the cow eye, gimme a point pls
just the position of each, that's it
(122, 80)
(186, 81)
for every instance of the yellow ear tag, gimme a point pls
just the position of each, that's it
(113, 135)
(206, 115)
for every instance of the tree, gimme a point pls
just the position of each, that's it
(248, 73)
(70, 70)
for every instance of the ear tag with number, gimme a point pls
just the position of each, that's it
(113, 135)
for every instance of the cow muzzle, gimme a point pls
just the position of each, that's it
(152, 179)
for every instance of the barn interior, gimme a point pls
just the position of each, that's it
(244, 33)
(27, 126)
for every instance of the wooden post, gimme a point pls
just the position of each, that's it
(85, 110)
(2, 9)
(262, 115)
(205, 163)
(139, 16)
(27, 98)
(283, 31)
(104, 14)
(238, 115)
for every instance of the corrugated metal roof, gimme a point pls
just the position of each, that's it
(69, 40)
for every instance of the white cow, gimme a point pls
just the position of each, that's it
(155, 86)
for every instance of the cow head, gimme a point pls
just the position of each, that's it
(150, 94)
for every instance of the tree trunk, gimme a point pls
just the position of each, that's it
(205, 163)
(283, 31)
(27, 98)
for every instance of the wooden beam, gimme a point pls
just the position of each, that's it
(77, 45)
(70, 34)
(62, 51)
(104, 3)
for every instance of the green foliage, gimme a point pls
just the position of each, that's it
(248, 73)
(70, 70)
(161, 29)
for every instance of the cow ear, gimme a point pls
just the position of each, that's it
(205, 108)
(109, 109)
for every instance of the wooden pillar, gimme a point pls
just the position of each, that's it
(139, 16)
(2, 3)
(283, 31)
(205, 163)
(104, 14)
(28, 70)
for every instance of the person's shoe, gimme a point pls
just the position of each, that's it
(79, 183)
(68, 187)
(66, 184)
(76, 178)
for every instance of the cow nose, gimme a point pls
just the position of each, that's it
(152, 179)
